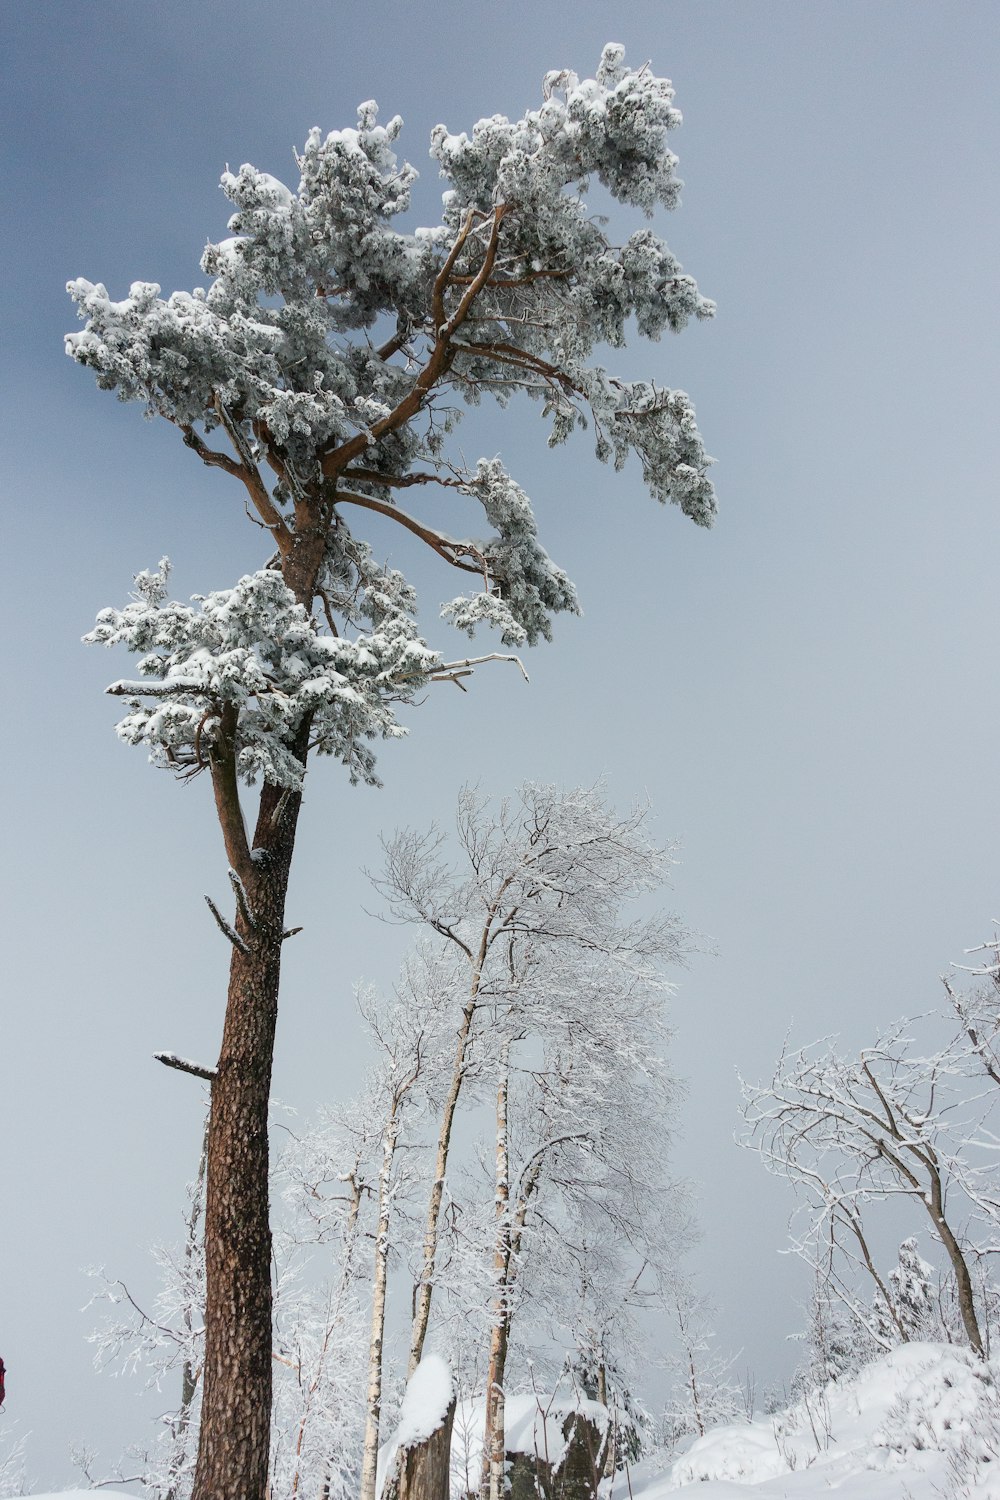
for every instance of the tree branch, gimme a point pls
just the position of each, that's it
(155, 688)
(442, 353)
(222, 764)
(451, 671)
(444, 546)
(226, 928)
(513, 281)
(171, 1060)
(403, 481)
(393, 345)
(242, 901)
(256, 488)
(245, 471)
(210, 456)
(511, 354)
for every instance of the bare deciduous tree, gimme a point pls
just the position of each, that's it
(703, 1393)
(847, 1133)
(532, 913)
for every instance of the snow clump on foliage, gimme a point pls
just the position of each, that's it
(255, 653)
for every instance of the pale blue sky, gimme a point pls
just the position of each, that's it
(807, 694)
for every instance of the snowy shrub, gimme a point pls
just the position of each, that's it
(921, 1421)
(13, 1478)
(938, 1410)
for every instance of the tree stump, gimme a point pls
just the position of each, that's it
(530, 1476)
(423, 1471)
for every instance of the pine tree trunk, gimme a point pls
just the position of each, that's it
(234, 1438)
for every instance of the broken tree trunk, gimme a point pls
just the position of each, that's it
(422, 1471)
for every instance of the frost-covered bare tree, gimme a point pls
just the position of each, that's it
(13, 1474)
(562, 1007)
(411, 1035)
(703, 1393)
(319, 1359)
(589, 1251)
(978, 1009)
(321, 370)
(848, 1133)
(162, 1340)
(319, 1345)
(836, 1344)
(533, 907)
(576, 1157)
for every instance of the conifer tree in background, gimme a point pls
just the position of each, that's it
(912, 1288)
(322, 370)
(836, 1344)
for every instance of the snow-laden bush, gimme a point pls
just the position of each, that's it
(952, 1406)
(13, 1479)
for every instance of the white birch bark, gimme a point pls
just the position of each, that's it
(373, 1414)
(494, 1445)
(332, 1318)
(425, 1286)
(422, 1308)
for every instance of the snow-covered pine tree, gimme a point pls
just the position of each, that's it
(320, 370)
(911, 1282)
(836, 1343)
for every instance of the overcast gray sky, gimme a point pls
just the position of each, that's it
(807, 694)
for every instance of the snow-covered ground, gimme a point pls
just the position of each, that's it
(921, 1423)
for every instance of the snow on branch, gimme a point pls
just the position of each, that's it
(512, 292)
(184, 1065)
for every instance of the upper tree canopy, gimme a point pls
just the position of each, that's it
(324, 366)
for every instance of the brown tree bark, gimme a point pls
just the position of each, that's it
(932, 1197)
(963, 1280)
(234, 1438)
(423, 1472)
(236, 1404)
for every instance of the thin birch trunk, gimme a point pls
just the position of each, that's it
(332, 1314)
(373, 1414)
(494, 1446)
(425, 1286)
(611, 1443)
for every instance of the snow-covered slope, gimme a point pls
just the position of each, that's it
(921, 1423)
